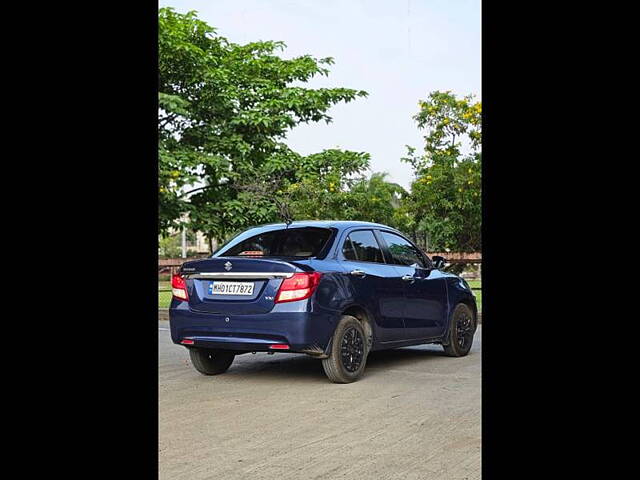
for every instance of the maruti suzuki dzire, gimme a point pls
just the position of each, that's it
(334, 290)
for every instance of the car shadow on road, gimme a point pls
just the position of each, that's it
(307, 369)
(403, 354)
(283, 366)
(409, 357)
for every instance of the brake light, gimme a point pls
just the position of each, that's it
(298, 287)
(179, 287)
(279, 346)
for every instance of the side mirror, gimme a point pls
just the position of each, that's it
(438, 261)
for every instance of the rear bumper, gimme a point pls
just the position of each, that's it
(304, 332)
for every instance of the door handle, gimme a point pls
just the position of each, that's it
(357, 273)
(408, 278)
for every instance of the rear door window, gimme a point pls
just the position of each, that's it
(291, 242)
(362, 246)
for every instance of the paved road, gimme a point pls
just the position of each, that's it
(414, 415)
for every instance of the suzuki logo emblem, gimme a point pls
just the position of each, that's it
(227, 266)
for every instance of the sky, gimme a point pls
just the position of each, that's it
(396, 50)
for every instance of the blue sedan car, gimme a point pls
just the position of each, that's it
(335, 290)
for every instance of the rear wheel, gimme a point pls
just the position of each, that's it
(461, 331)
(211, 362)
(349, 351)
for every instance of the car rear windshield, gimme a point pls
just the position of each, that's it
(291, 242)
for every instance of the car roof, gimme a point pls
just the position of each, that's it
(339, 224)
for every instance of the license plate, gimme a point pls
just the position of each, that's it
(231, 288)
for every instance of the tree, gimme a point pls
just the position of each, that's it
(445, 197)
(224, 113)
(374, 199)
(322, 184)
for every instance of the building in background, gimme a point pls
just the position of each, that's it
(201, 245)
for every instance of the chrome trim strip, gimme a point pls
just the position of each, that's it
(240, 275)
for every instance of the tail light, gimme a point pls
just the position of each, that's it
(179, 287)
(298, 287)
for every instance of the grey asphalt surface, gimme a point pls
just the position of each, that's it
(414, 415)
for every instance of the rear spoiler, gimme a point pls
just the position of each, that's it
(238, 275)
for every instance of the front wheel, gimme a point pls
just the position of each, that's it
(461, 331)
(349, 351)
(209, 361)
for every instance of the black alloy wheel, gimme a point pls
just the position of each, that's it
(461, 331)
(348, 351)
(464, 329)
(352, 350)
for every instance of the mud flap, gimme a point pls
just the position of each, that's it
(316, 351)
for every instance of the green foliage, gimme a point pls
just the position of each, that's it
(444, 204)
(224, 112)
(321, 187)
(333, 195)
(376, 200)
(170, 246)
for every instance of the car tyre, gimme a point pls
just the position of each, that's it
(349, 350)
(462, 327)
(208, 361)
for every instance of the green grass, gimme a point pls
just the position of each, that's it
(478, 293)
(164, 294)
